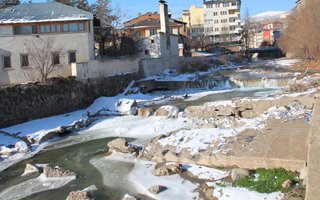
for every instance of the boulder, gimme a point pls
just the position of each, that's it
(239, 173)
(249, 114)
(167, 111)
(156, 189)
(243, 105)
(30, 169)
(287, 184)
(21, 147)
(85, 194)
(38, 139)
(167, 170)
(56, 172)
(121, 145)
(79, 195)
(145, 112)
(225, 110)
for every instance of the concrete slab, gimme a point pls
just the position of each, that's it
(313, 183)
(280, 144)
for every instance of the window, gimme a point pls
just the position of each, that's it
(233, 3)
(42, 29)
(72, 57)
(217, 5)
(224, 21)
(25, 30)
(6, 61)
(232, 19)
(232, 28)
(223, 13)
(226, 4)
(58, 27)
(47, 28)
(24, 59)
(152, 41)
(153, 31)
(216, 21)
(215, 13)
(73, 27)
(81, 26)
(53, 28)
(224, 28)
(55, 58)
(65, 27)
(216, 29)
(146, 52)
(209, 21)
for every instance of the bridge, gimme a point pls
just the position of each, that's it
(272, 51)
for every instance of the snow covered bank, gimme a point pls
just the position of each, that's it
(232, 193)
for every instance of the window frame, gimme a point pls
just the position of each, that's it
(3, 62)
(54, 55)
(22, 61)
(69, 57)
(153, 32)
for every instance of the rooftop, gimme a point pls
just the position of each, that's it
(154, 23)
(42, 12)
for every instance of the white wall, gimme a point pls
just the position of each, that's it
(151, 67)
(157, 47)
(104, 68)
(15, 45)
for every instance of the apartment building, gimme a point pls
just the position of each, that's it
(194, 17)
(222, 21)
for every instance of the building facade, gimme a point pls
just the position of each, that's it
(63, 31)
(222, 23)
(148, 24)
(194, 17)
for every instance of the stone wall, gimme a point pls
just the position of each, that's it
(21, 103)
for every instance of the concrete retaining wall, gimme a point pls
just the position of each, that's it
(104, 68)
(22, 103)
(313, 190)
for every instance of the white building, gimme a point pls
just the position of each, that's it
(24, 26)
(222, 21)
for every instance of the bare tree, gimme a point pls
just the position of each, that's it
(44, 60)
(302, 34)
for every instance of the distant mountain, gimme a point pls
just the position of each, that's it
(270, 15)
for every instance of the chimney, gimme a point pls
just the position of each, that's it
(164, 18)
(139, 14)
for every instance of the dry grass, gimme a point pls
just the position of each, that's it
(308, 64)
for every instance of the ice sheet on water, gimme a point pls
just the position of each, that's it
(33, 186)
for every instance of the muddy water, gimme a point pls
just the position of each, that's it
(75, 158)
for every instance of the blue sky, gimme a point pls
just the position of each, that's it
(133, 7)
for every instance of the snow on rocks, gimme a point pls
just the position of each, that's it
(205, 173)
(21, 147)
(121, 145)
(168, 111)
